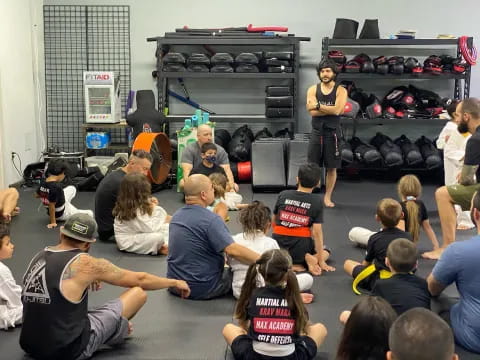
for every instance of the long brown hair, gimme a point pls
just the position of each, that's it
(365, 335)
(135, 192)
(219, 182)
(275, 267)
(409, 189)
(255, 217)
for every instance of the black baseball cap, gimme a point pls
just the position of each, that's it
(80, 227)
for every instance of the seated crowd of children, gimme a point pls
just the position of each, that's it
(278, 284)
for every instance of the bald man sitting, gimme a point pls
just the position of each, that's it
(192, 155)
(198, 241)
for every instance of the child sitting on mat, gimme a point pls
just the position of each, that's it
(365, 335)
(414, 214)
(56, 199)
(141, 226)
(404, 290)
(256, 221)
(208, 165)
(11, 308)
(273, 320)
(365, 274)
(297, 224)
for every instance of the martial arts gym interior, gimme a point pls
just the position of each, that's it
(367, 92)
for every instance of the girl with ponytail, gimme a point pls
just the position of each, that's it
(256, 220)
(414, 211)
(273, 319)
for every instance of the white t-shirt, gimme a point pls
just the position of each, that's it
(11, 307)
(144, 234)
(258, 243)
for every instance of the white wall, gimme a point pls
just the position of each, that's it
(20, 118)
(149, 18)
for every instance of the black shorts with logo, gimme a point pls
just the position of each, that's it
(242, 349)
(324, 147)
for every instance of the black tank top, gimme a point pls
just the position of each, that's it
(53, 327)
(332, 121)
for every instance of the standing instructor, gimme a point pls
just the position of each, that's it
(326, 102)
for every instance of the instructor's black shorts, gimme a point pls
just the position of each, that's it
(324, 148)
(242, 349)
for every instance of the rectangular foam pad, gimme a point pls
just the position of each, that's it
(278, 91)
(268, 166)
(276, 112)
(296, 157)
(279, 101)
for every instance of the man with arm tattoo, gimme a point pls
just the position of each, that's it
(448, 196)
(56, 321)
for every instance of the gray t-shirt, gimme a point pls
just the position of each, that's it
(192, 155)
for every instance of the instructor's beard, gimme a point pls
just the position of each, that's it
(327, 80)
(462, 127)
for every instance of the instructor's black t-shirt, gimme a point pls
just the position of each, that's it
(472, 151)
(403, 292)
(204, 170)
(329, 121)
(378, 244)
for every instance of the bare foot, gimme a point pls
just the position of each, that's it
(433, 255)
(298, 268)
(130, 328)
(312, 264)
(307, 298)
(328, 203)
(163, 250)
(16, 211)
(464, 227)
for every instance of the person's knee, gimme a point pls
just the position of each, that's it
(139, 294)
(348, 266)
(442, 193)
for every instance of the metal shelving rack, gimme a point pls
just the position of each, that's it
(328, 43)
(283, 43)
(444, 43)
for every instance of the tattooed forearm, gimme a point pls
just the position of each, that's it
(468, 175)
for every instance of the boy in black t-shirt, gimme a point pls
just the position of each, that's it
(389, 213)
(55, 198)
(208, 165)
(404, 290)
(297, 223)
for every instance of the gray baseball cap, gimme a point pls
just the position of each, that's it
(80, 227)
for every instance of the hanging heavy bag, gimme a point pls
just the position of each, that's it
(222, 137)
(411, 152)
(239, 148)
(430, 153)
(366, 153)
(244, 130)
(392, 154)
(263, 134)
